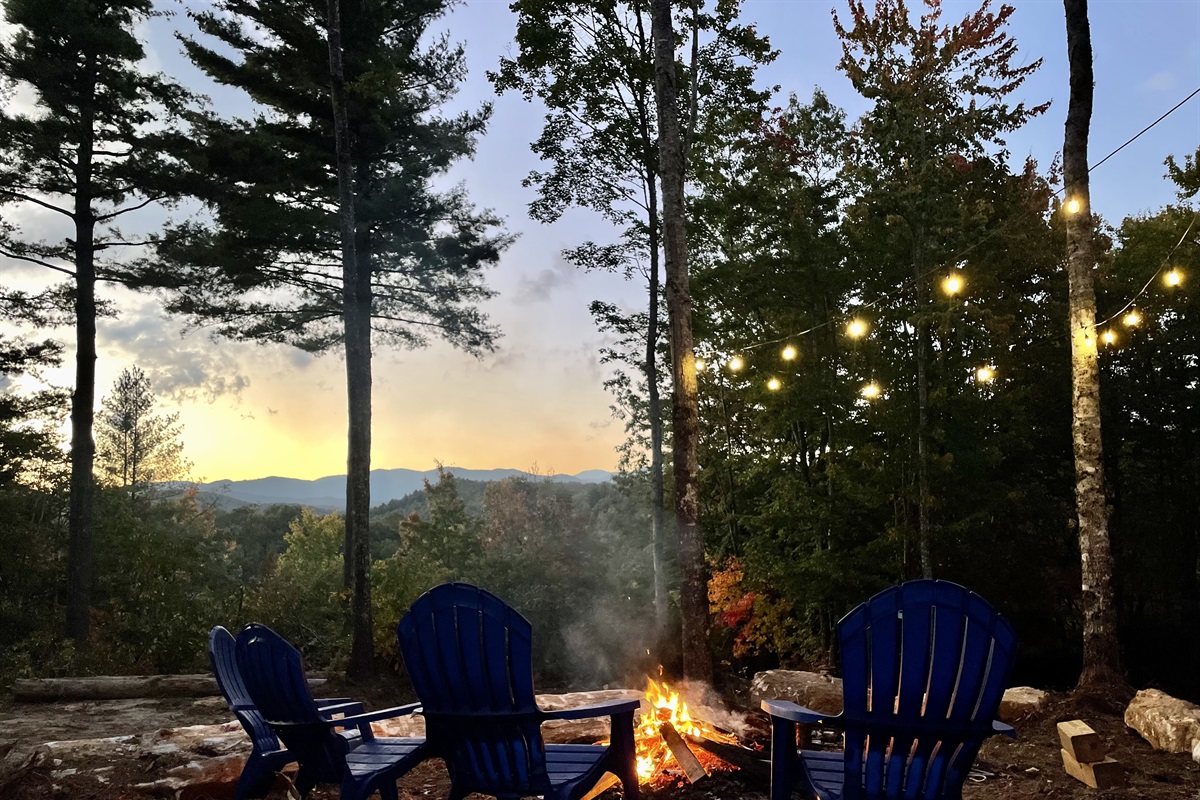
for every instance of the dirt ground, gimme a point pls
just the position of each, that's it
(1027, 768)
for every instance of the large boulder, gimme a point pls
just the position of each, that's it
(1166, 722)
(814, 690)
(1021, 702)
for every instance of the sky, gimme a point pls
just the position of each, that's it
(538, 402)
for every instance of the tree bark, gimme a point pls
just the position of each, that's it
(1101, 652)
(654, 411)
(697, 661)
(83, 400)
(356, 317)
(923, 347)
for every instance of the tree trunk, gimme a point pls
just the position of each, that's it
(697, 661)
(923, 347)
(356, 317)
(83, 400)
(654, 411)
(1101, 653)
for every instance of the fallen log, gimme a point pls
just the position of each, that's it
(119, 687)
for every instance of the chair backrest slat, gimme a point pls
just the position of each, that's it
(222, 656)
(925, 665)
(469, 656)
(273, 672)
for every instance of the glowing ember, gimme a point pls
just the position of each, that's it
(653, 755)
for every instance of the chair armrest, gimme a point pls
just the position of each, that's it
(1003, 727)
(352, 707)
(372, 716)
(606, 709)
(332, 701)
(786, 709)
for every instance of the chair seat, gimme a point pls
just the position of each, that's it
(570, 762)
(825, 772)
(380, 754)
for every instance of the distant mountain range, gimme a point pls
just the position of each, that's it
(386, 484)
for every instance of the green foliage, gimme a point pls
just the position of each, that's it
(164, 579)
(270, 182)
(303, 598)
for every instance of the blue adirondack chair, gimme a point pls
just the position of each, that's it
(924, 667)
(267, 755)
(470, 659)
(360, 763)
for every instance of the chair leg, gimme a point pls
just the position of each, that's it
(624, 754)
(785, 766)
(255, 780)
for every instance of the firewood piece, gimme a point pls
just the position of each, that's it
(751, 761)
(607, 781)
(119, 687)
(1083, 743)
(1100, 775)
(684, 756)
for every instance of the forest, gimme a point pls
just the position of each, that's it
(852, 367)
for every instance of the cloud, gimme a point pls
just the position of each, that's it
(181, 368)
(1159, 82)
(539, 287)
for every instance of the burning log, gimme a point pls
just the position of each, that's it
(684, 756)
(753, 763)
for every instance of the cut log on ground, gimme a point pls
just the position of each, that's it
(1100, 775)
(1083, 743)
(119, 687)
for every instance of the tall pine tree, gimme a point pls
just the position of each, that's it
(270, 265)
(96, 147)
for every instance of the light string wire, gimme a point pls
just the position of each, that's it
(907, 283)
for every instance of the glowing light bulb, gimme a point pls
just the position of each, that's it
(700, 365)
(789, 353)
(985, 374)
(1108, 337)
(952, 285)
(856, 329)
(1173, 278)
(1132, 319)
(1073, 205)
(1089, 342)
(774, 384)
(871, 391)
(736, 363)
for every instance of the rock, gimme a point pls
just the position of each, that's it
(1166, 722)
(1021, 702)
(810, 689)
(1196, 752)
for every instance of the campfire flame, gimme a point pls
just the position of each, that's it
(653, 754)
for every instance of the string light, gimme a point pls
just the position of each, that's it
(774, 384)
(736, 363)
(1073, 205)
(1108, 337)
(952, 285)
(856, 329)
(1173, 278)
(985, 374)
(789, 353)
(700, 365)
(871, 391)
(1132, 319)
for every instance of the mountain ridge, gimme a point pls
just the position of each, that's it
(386, 484)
